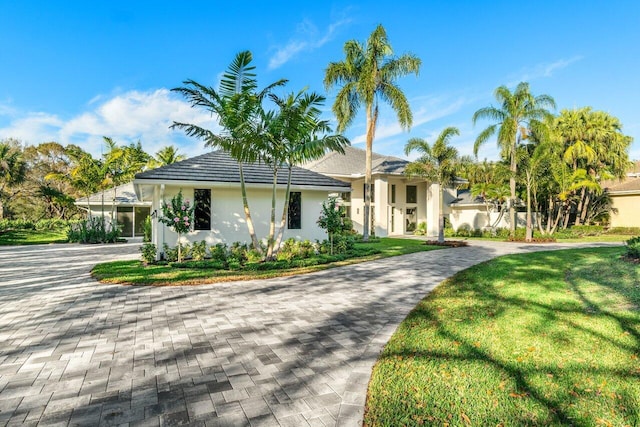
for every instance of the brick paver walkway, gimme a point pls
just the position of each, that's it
(293, 351)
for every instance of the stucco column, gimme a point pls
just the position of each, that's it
(381, 192)
(432, 210)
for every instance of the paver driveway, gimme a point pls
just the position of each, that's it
(291, 351)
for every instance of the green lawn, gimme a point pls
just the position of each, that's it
(133, 272)
(550, 338)
(32, 237)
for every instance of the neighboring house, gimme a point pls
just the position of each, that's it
(466, 211)
(212, 182)
(398, 204)
(130, 213)
(625, 200)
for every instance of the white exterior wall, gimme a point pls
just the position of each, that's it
(228, 222)
(475, 217)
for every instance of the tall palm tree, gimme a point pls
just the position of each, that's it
(519, 112)
(437, 163)
(297, 136)
(236, 105)
(368, 75)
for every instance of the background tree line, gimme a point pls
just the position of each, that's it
(43, 181)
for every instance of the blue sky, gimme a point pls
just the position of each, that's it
(73, 71)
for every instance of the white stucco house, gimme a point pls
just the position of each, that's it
(120, 203)
(212, 182)
(399, 203)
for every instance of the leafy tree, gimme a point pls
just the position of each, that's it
(519, 113)
(178, 215)
(367, 76)
(331, 219)
(489, 181)
(42, 197)
(596, 149)
(237, 106)
(437, 163)
(12, 170)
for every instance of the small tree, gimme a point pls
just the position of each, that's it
(178, 215)
(330, 219)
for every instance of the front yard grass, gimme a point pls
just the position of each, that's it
(32, 237)
(547, 338)
(134, 272)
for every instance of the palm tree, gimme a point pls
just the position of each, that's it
(297, 135)
(236, 105)
(593, 145)
(488, 180)
(438, 163)
(166, 156)
(518, 114)
(368, 75)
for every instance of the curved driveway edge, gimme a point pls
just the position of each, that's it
(291, 351)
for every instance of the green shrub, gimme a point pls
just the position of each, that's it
(219, 252)
(203, 264)
(199, 250)
(147, 229)
(632, 248)
(631, 231)
(293, 249)
(170, 254)
(421, 229)
(16, 224)
(52, 224)
(237, 253)
(149, 252)
(93, 230)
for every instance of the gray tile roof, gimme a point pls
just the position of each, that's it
(352, 162)
(125, 194)
(629, 184)
(218, 166)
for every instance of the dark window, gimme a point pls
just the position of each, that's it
(202, 210)
(393, 193)
(295, 211)
(346, 197)
(412, 194)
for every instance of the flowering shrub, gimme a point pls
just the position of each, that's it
(177, 215)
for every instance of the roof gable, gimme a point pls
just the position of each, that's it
(352, 162)
(220, 167)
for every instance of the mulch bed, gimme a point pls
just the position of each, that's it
(448, 243)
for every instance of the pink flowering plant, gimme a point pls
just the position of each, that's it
(177, 215)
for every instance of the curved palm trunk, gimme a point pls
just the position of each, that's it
(285, 213)
(272, 217)
(247, 212)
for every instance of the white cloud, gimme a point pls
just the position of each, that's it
(307, 39)
(430, 109)
(543, 70)
(128, 117)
